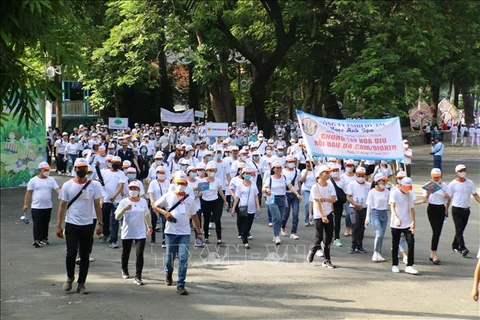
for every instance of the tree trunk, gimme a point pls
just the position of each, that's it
(467, 102)
(258, 93)
(192, 89)
(456, 89)
(309, 98)
(329, 101)
(116, 103)
(165, 84)
(58, 103)
(434, 100)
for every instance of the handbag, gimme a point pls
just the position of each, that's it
(243, 210)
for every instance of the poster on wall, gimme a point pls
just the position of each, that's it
(21, 149)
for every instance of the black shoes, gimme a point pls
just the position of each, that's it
(182, 291)
(168, 280)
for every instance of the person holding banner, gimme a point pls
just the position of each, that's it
(357, 192)
(275, 187)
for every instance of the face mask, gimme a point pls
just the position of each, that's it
(160, 176)
(179, 188)
(218, 156)
(405, 146)
(133, 193)
(158, 162)
(131, 176)
(46, 174)
(335, 174)
(462, 174)
(247, 177)
(143, 151)
(291, 165)
(211, 174)
(109, 165)
(280, 153)
(315, 158)
(90, 161)
(152, 137)
(193, 174)
(209, 158)
(244, 158)
(81, 173)
(116, 166)
(361, 179)
(111, 151)
(269, 152)
(381, 186)
(349, 169)
(256, 158)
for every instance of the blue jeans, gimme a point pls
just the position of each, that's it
(306, 202)
(277, 209)
(177, 245)
(71, 161)
(437, 162)
(379, 222)
(292, 202)
(114, 225)
(348, 221)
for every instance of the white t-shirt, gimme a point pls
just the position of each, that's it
(182, 226)
(61, 144)
(378, 199)
(247, 196)
(403, 203)
(158, 188)
(72, 148)
(317, 192)
(277, 186)
(134, 226)
(438, 197)
(234, 183)
(42, 192)
(358, 192)
(291, 175)
(346, 180)
(212, 192)
(82, 211)
(461, 192)
(112, 179)
(309, 181)
(407, 159)
(125, 188)
(192, 190)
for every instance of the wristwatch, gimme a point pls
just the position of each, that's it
(100, 223)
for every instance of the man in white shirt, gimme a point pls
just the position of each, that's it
(454, 130)
(477, 135)
(293, 176)
(471, 134)
(463, 132)
(82, 199)
(406, 162)
(460, 190)
(39, 191)
(60, 146)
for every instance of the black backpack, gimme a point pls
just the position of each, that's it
(341, 196)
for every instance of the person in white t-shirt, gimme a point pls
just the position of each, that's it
(177, 230)
(377, 206)
(246, 196)
(477, 135)
(293, 177)
(39, 192)
(460, 191)
(307, 179)
(454, 130)
(71, 152)
(156, 189)
(136, 219)
(406, 162)
(347, 177)
(401, 201)
(437, 210)
(323, 195)
(84, 199)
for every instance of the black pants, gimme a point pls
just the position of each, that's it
(61, 165)
(153, 237)
(139, 248)
(358, 226)
(259, 187)
(436, 215)
(337, 212)
(396, 233)
(212, 209)
(407, 168)
(460, 219)
(78, 238)
(320, 227)
(41, 219)
(106, 211)
(245, 226)
(229, 200)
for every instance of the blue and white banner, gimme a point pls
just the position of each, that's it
(372, 139)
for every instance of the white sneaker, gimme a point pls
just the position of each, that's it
(411, 270)
(405, 260)
(375, 257)
(277, 240)
(270, 224)
(319, 253)
(239, 237)
(380, 258)
(395, 269)
(283, 233)
(91, 259)
(294, 236)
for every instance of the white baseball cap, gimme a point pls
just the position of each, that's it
(134, 184)
(43, 165)
(460, 167)
(436, 172)
(380, 176)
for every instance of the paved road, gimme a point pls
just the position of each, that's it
(266, 282)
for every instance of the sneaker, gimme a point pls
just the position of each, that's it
(283, 232)
(247, 246)
(405, 260)
(82, 289)
(91, 259)
(307, 224)
(319, 253)
(361, 249)
(168, 279)
(250, 237)
(465, 252)
(277, 240)
(36, 244)
(294, 236)
(456, 251)
(44, 243)
(352, 250)
(239, 237)
(337, 243)
(67, 285)
(138, 281)
(411, 270)
(113, 245)
(125, 275)
(77, 261)
(328, 264)
(221, 244)
(199, 243)
(163, 244)
(182, 291)
(207, 241)
(211, 225)
(270, 224)
(395, 269)
(310, 256)
(375, 257)
(380, 258)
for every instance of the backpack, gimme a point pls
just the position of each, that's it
(341, 196)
